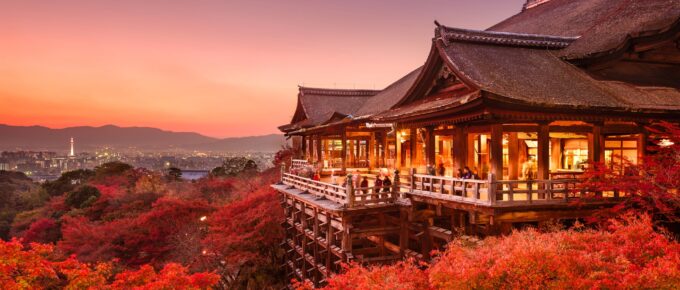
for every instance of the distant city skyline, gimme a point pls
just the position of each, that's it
(219, 68)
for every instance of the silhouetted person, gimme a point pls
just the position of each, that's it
(364, 185)
(467, 174)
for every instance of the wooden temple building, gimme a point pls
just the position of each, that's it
(525, 104)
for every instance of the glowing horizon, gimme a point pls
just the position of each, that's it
(218, 68)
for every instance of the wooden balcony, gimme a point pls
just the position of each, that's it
(489, 192)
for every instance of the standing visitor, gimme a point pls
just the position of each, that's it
(467, 174)
(378, 183)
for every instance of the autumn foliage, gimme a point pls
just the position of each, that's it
(130, 228)
(35, 267)
(627, 255)
(652, 185)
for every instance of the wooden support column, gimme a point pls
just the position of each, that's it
(303, 245)
(596, 144)
(383, 152)
(346, 243)
(412, 148)
(303, 148)
(343, 154)
(430, 147)
(543, 151)
(642, 144)
(381, 239)
(497, 150)
(330, 241)
(403, 234)
(316, 246)
(371, 152)
(397, 158)
(319, 154)
(513, 156)
(459, 149)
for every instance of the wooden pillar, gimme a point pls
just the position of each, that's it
(471, 158)
(303, 245)
(497, 150)
(543, 151)
(316, 246)
(430, 147)
(513, 156)
(346, 243)
(381, 239)
(596, 144)
(343, 154)
(371, 152)
(642, 144)
(403, 233)
(397, 158)
(304, 147)
(330, 241)
(412, 148)
(383, 155)
(319, 154)
(460, 148)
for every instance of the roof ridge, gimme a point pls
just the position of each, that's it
(448, 34)
(338, 92)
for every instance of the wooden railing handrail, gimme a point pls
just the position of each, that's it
(486, 192)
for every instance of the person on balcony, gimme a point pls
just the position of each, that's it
(377, 185)
(441, 170)
(467, 173)
(334, 179)
(386, 182)
(364, 185)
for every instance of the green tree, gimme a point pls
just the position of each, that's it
(68, 181)
(82, 197)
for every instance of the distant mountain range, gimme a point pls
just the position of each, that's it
(143, 138)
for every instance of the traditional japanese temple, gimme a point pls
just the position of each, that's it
(526, 105)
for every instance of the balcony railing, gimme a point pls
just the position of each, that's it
(492, 192)
(486, 192)
(347, 195)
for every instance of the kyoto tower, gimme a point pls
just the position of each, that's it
(71, 153)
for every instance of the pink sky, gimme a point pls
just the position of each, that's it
(220, 68)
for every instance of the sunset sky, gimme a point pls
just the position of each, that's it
(220, 68)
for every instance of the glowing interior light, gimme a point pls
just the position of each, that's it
(665, 143)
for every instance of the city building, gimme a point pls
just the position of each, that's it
(525, 105)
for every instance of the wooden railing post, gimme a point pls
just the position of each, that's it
(412, 172)
(283, 171)
(350, 191)
(395, 185)
(491, 190)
